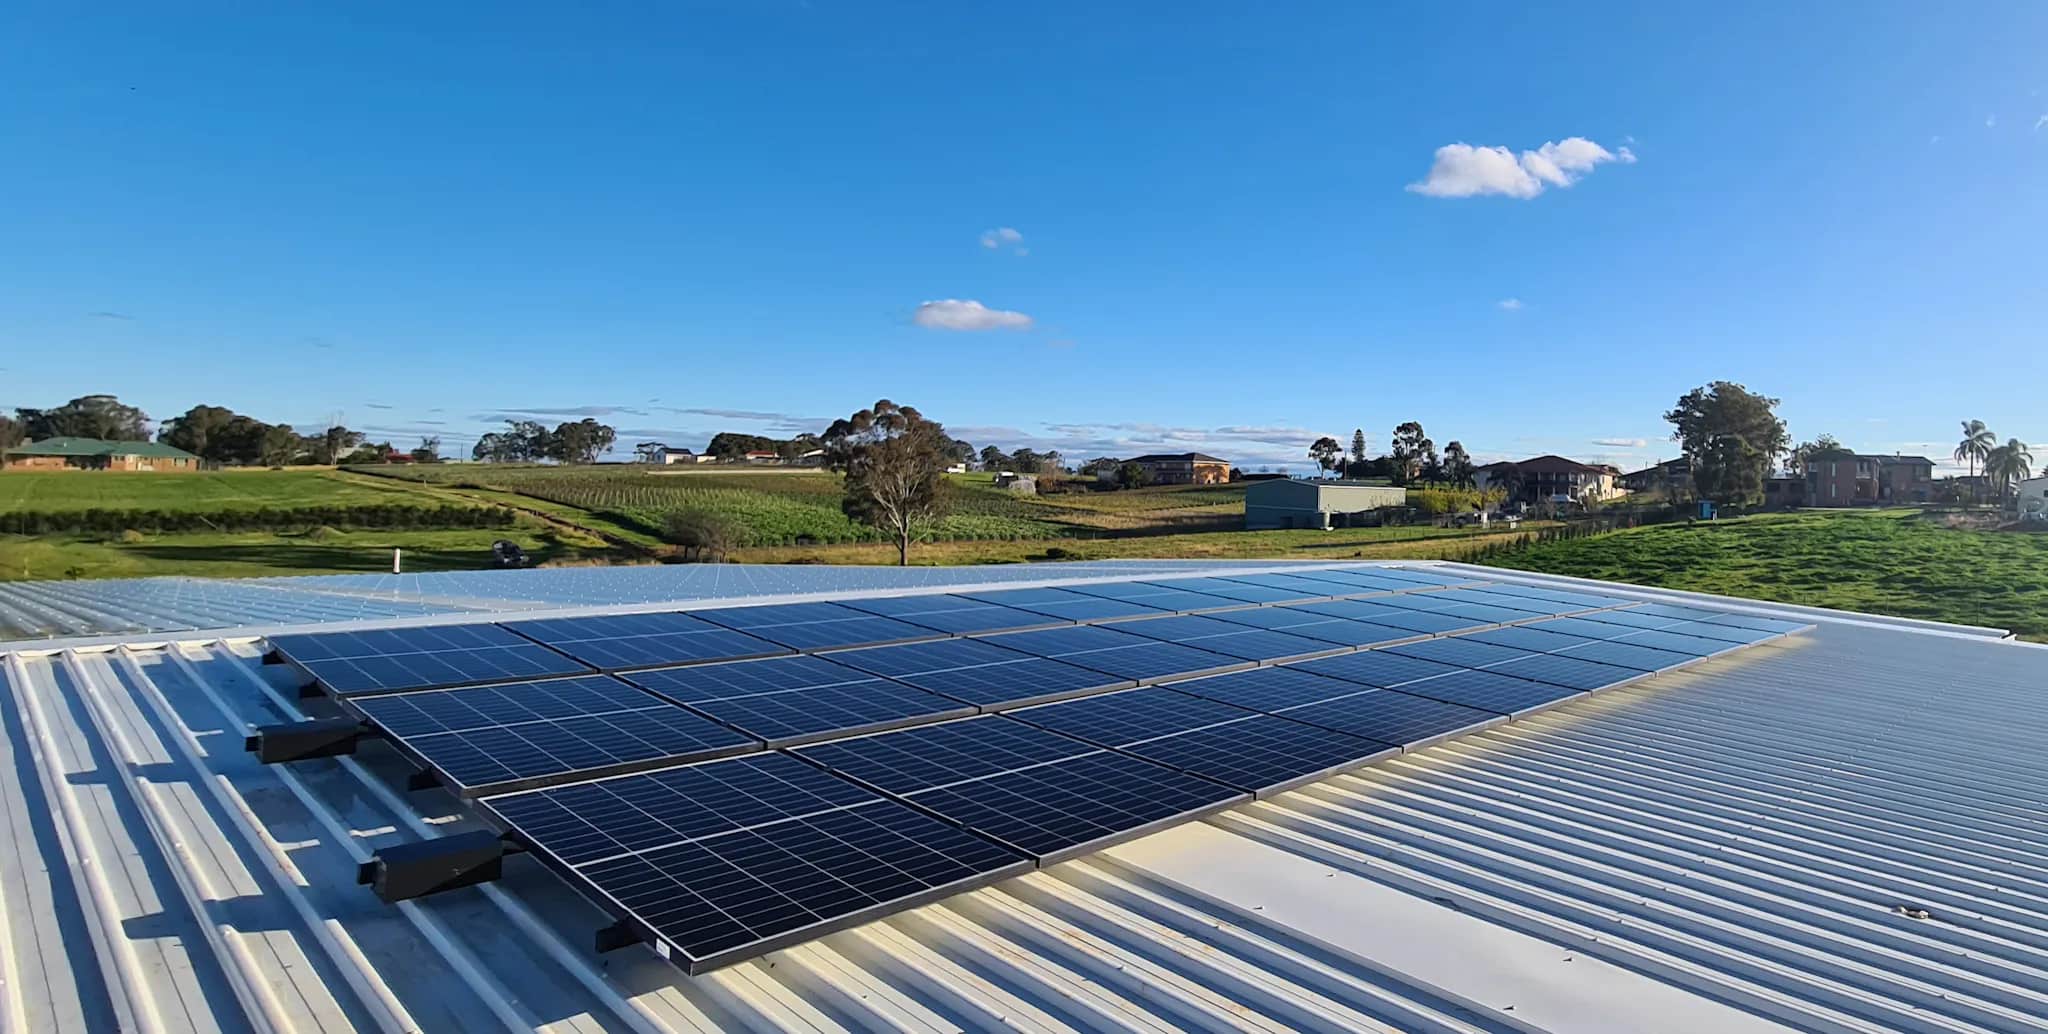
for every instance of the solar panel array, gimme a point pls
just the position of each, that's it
(900, 748)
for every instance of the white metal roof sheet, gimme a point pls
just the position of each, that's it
(1846, 830)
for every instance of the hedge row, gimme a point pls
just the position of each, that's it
(381, 516)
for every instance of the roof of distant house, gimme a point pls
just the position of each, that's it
(1548, 463)
(1895, 458)
(81, 447)
(1655, 467)
(1167, 457)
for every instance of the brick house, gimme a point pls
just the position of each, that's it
(1553, 479)
(95, 454)
(1858, 480)
(1184, 468)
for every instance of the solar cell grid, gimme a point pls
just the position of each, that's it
(1666, 639)
(1582, 600)
(1752, 622)
(1266, 689)
(1243, 592)
(1629, 617)
(1460, 651)
(1261, 754)
(1391, 716)
(1360, 581)
(1297, 583)
(616, 642)
(956, 615)
(979, 672)
(909, 760)
(1524, 637)
(393, 660)
(1490, 690)
(1064, 603)
(1334, 630)
(1530, 606)
(788, 700)
(1627, 655)
(1254, 644)
(1482, 612)
(1570, 672)
(1724, 633)
(454, 710)
(1373, 668)
(1131, 716)
(815, 626)
(1428, 622)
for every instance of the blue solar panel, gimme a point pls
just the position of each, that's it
(1423, 622)
(1360, 581)
(1252, 644)
(1459, 651)
(788, 700)
(1529, 607)
(1373, 668)
(1582, 600)
(1670, 610)
(815, 626)
(1482, 613)
(730, 859)
(1628, 616)
(1158, 597)
(1525, 637)
(490, 739)
(1299, 583)
(1267, 689)
(1062, 603)
(980, 672)
(1666, 639)
(1409, 574)
(1118, 653)
(1114, 719)
(1752, 622)
(618, 641)
(1339, 631)
(1490, 691)
(957, 615)
(1628, 655)
(1392, 716)
(397, 659)
(1588, 626)
(1724, 633)
(1570, 672)
(1047, 795)
(1243, 592)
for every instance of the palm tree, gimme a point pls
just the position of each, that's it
(1975, 447)
(2008, 464)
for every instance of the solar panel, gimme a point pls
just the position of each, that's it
(1724, 633)
(1628, 655)
(619, 641)
(1490, 691)
(1360, 581)
(1583, 600)
(1241, 591)
(957, 615)
(1410, 574)
(1494, 599)
(491, 739)
(1118, 653)
(1570, 672)
(1252, 644)
(396, 659)
(1428, 622)
(1298, 583)
(1047, 795)
(1459, 651)
(1676, 642)
(1525, 637)
(815, 626)
(1373, 668)
(1749, 621)
(980, 672)
(1669, 610)
(1628, 618)
(1340, 631)
(1158, 597)
(1391, 716)
(1063, 603)
(1266, 689)
(789, 700)
(1482, 612)
(729, 859)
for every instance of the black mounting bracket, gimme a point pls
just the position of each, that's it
(427, 867)
(618, 935)
(420, 779)
(296, 741)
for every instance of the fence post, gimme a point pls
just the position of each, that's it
(394, 560)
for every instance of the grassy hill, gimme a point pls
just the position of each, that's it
(66, 491)
(1895, 562)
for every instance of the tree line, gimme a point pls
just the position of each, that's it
(1411, 459)
(530, 441)
(216, 434)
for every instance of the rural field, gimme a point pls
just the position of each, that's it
(1897, 562)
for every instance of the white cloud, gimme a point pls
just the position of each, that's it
(1462, 170)
(2039, 122)
(1001, 236)
(1990, 121)
(1510, 304)
(1622, 443)
(956, 314)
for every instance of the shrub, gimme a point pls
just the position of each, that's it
(702, 535)
(131, 537)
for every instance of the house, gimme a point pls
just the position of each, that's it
(1671, 476)
(1848, 479)
(762, 458)
(1784, 493)
(2033, 497)
(666, 456)
(1294, 503)
(1551, 479)
(96, 454)
(1184, 468)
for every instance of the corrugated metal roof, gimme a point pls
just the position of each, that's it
(1845, 830)
(68, 446)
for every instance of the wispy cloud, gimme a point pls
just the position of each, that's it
(1510, 304)
(575, 411)
(1004, 237)
(958, 315)
(2039, 122)
(105, 315)
(377, 405)
(1623, 443)
(1462, 170)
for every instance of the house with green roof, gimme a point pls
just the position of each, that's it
(66, 453)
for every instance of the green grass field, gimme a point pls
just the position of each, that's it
(61, 491)
(1881, 562)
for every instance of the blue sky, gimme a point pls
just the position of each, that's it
(1224, 227)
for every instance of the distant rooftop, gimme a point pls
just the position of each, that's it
(68, 446)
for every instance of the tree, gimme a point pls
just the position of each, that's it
(959, 450)
(1103, 467)
(278, 445)
(732, 445)
(1508, 478)
(1407, 448)
(334, 443)
(1357, 447)
(703, 535)
(581, 442)
(428, 450)
(1976, 446)
(1732, 438)
(648, 452)
(1457, 465)
(1025, 461)
(11, 433)
(88, 416)
(1132, 475)
(992, 458)
(2007, 465)
(494, 447)
(197, 430)
(895, 462)
(1325, 451)
(1432, 468)
(1820, 450)
(522, 441)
